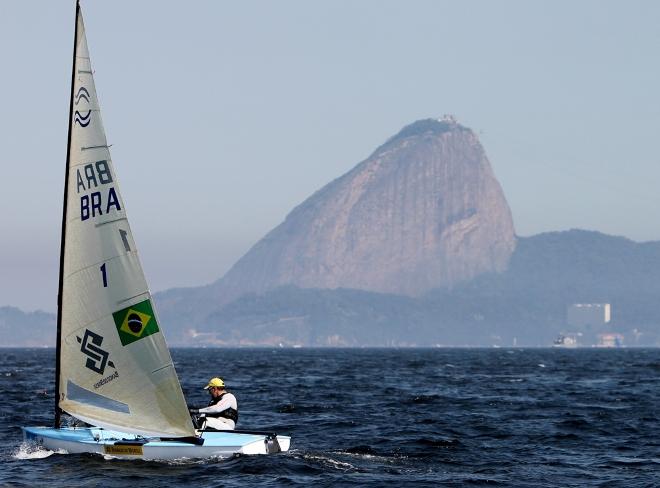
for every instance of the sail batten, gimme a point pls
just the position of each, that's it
(94, 147)
(115, 370)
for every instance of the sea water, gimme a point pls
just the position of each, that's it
(376, 417)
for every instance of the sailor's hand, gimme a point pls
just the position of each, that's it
(193, 410)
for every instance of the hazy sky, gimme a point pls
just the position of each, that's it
(225, 115)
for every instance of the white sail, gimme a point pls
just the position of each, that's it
(115, 370)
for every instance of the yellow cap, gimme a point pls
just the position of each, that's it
(217, 382)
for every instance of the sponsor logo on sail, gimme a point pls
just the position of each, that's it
(135, 322)
(106, 380)
(82, 117)
(97, 358)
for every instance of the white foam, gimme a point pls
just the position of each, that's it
(32, 451)
(329, 461)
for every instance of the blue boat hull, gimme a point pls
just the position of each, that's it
(209, 444)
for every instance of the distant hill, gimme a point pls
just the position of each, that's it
(21, 329)
(552, 270)
(527, 302)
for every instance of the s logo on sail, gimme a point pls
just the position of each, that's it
(97, 358)
(81, 117)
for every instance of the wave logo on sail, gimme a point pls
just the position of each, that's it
(80, 117)
(97, 358)
(135, 322)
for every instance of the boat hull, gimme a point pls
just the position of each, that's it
(223, 444)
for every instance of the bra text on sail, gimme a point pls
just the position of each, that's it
(94, 176)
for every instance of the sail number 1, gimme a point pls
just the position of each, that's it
(127, 247)
(104, 275)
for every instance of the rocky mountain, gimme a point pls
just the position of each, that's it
(423, 211)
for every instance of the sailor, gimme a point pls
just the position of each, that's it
(221, 412)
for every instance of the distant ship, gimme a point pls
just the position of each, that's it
(568, 340)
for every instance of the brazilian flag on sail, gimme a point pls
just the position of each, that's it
(135, 322)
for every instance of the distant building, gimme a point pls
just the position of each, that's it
(610, 340)
(588, 315)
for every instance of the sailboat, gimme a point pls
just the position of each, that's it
(114, 372)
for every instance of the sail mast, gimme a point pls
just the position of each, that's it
(58, 353)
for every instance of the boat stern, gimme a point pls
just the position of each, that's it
(270, 444)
